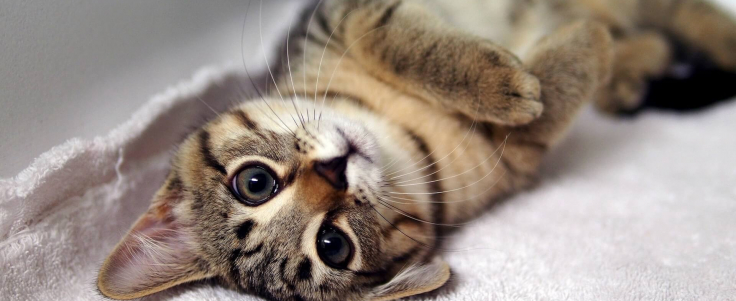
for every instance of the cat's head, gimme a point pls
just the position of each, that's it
(283, 206)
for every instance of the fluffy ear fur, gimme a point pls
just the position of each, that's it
(417, 279)
(157, 253)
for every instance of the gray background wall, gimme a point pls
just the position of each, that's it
(77, 68)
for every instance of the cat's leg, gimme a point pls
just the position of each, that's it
(639, 58)
(404, 45)
(571, 64)
(700, 24)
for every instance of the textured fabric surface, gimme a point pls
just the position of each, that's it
(627, 209)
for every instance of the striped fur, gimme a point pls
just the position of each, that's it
(443, 107)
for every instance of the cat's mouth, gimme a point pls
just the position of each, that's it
(354, 148)
(353, 168)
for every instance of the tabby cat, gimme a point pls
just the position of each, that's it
(388, 122)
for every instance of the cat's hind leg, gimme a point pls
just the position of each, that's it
(699, 24)
(639, 58)
(571, 64)
(693, 33)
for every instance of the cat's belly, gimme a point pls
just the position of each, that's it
(514, 24)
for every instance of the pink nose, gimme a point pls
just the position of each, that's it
(334, 172)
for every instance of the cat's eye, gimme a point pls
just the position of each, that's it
(254, 185)
(333, 247)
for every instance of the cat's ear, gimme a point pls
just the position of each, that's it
(156, 254)
(417, 279)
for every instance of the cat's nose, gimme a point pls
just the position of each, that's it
(334, 171)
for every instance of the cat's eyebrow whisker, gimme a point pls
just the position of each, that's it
(289, 82)
(306, 39)
(319, 68)
(404, 183)
(288, 92)
(243, 94)
(291, 76)
(242, 52)
(242, 47)
(263, 49)
(460, 188)
(265, 58)
(274, 121)
(339, 61)
(208, 106)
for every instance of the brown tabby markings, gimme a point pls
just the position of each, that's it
(432, 178)
(210, 160)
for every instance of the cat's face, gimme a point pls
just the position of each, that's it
(281, 205)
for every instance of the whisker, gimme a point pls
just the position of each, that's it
(406, 214)
(242, 49)
(413, 201)
(291, 76)
(415, 162)
(208, 106)
(435, 247)
(327, 89)
(468, 133)
(319, 68)
(290, 90)
(403, 183)
(244, 95)
(306, 39)
(389, 164)
(456, 189)
(401, 231)
(265, 58)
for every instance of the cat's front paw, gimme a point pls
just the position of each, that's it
(506, 94)
(708, 28)
(513, 99)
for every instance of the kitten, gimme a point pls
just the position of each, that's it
(390, 121)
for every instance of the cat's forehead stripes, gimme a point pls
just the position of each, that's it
(207, 156)
(244, 119)
(238, 134)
